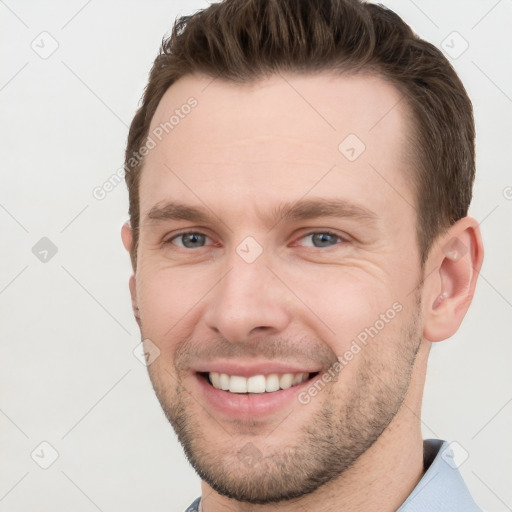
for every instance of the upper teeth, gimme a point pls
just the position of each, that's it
(256, 383)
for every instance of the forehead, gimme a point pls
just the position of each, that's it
(276, 138)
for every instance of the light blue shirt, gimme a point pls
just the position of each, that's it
(440, 490)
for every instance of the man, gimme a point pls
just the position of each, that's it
(300, 173)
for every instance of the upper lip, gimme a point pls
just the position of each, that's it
(248, 369)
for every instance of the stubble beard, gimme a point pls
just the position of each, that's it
(330, 442)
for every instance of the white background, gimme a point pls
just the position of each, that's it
(68, 375)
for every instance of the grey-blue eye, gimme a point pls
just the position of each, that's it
(190, 240)
(322, 239)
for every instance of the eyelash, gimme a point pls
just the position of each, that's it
(327, 232)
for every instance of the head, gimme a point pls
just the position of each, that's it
(299, 175)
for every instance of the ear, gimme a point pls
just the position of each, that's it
(127, 238)
(456, 259)
(126, 235)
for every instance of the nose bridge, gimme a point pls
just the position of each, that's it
(247, 299)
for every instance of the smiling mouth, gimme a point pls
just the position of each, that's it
(259, 384)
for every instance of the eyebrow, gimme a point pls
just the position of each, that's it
(302, 209)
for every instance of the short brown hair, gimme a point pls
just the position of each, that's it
(243, 40)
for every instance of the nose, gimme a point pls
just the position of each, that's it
(248, 301)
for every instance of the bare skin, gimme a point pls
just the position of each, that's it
(243, 152)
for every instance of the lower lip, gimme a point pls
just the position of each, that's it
(250, 405)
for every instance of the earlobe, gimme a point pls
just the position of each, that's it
(133, 293)
(457, 259)
(127, 237)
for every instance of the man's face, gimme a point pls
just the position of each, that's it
(305, 252)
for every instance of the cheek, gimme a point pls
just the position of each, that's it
(347, 301)
(168, 299)
(337, 303)
(367, 315)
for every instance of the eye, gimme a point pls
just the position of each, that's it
(189, 240)
(196, 240)
(322, 239)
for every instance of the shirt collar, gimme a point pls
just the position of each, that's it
(442, 487)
